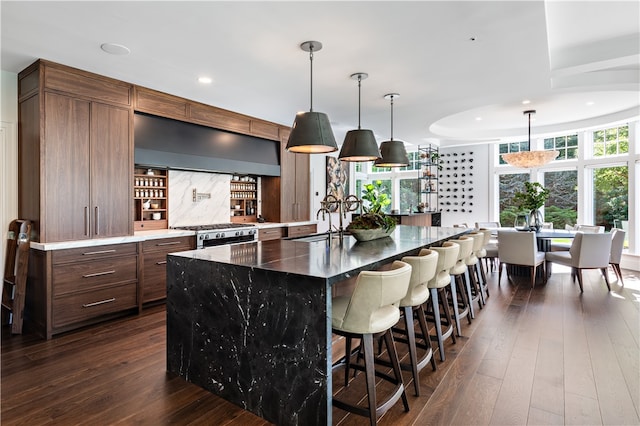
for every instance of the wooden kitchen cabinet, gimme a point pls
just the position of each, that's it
(75, 153)
(301, 230)
(150, 199)
(153, 281)
(286, 198)
(266, 234)
(75, 287)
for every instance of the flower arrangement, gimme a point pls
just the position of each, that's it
(532, 198)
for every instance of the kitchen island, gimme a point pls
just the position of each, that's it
(251, 322)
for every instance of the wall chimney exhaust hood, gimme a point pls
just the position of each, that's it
(173, 144)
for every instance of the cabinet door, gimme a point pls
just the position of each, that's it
(288, 207)
(65, 180)
(302, 187)
(111, 170)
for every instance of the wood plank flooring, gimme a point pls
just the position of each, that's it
(547, 355)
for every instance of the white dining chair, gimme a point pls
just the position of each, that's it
(587, 229)
(588, 251)
(617, 245)
(519, 248)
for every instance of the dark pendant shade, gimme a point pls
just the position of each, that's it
(359, 145)
(393, 154)
(311, 134)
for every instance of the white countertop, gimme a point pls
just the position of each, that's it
(143, 236)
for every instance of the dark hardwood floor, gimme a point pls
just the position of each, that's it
(544, 356)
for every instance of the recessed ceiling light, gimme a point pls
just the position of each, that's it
(526, 102)
(590, 103)
(205, 80)
(115, 49)
(478, 118)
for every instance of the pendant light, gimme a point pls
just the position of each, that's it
(359, 145)
(393, 152)
(311, 132)
(530, 159)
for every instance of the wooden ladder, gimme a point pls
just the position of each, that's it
(14, 284)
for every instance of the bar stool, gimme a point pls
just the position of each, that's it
(474, 266)
(460, 279)
(423, 269)
(370, 311)
(447, 258)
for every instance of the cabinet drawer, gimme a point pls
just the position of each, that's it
(97, 252)
(161, 104)
(270, 234)
(155, 276)
(169, 245)
(301, 230)
(89, 276)
(83, 306)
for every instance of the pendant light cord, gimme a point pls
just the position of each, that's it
(391, 117)
(359, 81)
(311, 66)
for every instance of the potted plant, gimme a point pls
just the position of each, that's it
(373, 223)
(531, 199)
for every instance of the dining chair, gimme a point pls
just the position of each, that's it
(587, 229)
(588, 251)
(488, 225)
(519, 248)
(617, 245)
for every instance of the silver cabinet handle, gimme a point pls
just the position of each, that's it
(98, 252)
(171, 243)
(102, 302)
(162, 262)
(97, 274)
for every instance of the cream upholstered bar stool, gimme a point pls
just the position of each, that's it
(617, 245)
(460, 283)
(486, 253)
(370, 311)
(447, 258)
(474, 270)
(423, 269)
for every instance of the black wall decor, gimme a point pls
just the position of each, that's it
(457, 182)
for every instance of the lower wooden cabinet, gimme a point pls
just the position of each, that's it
(265, 234)
(71, 288)
(301, 230)
(153, 281)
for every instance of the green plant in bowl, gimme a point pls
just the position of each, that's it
(373, 218)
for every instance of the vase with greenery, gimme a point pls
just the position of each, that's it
(530, 200)
(373, 217)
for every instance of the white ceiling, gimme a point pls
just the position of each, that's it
(558, 55)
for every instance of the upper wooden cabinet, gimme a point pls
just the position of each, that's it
(76, 155)
(158, 103)
(286, 198)
(169, 106)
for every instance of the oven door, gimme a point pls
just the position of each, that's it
(227, 240)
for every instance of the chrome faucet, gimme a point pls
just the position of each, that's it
(324, 210)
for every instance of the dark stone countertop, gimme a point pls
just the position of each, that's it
(333, 261)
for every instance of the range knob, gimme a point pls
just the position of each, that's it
(201, 237)
(206, 236)
(219, 235)
(238, 233)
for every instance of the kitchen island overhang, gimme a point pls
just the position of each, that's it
(252, 322)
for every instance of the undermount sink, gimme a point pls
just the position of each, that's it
(316, 237)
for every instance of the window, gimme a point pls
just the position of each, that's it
(509, 184)
(610, 195)
(414, 164)
(613, 141)
(566, 145)
(562, 206)
(505, 148)
(409, 194)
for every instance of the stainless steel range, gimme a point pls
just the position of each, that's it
(222, 233)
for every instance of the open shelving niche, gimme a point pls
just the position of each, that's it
(150, 186)
(243, 204)
(429, 176)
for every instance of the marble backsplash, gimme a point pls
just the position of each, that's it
(184, 211)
